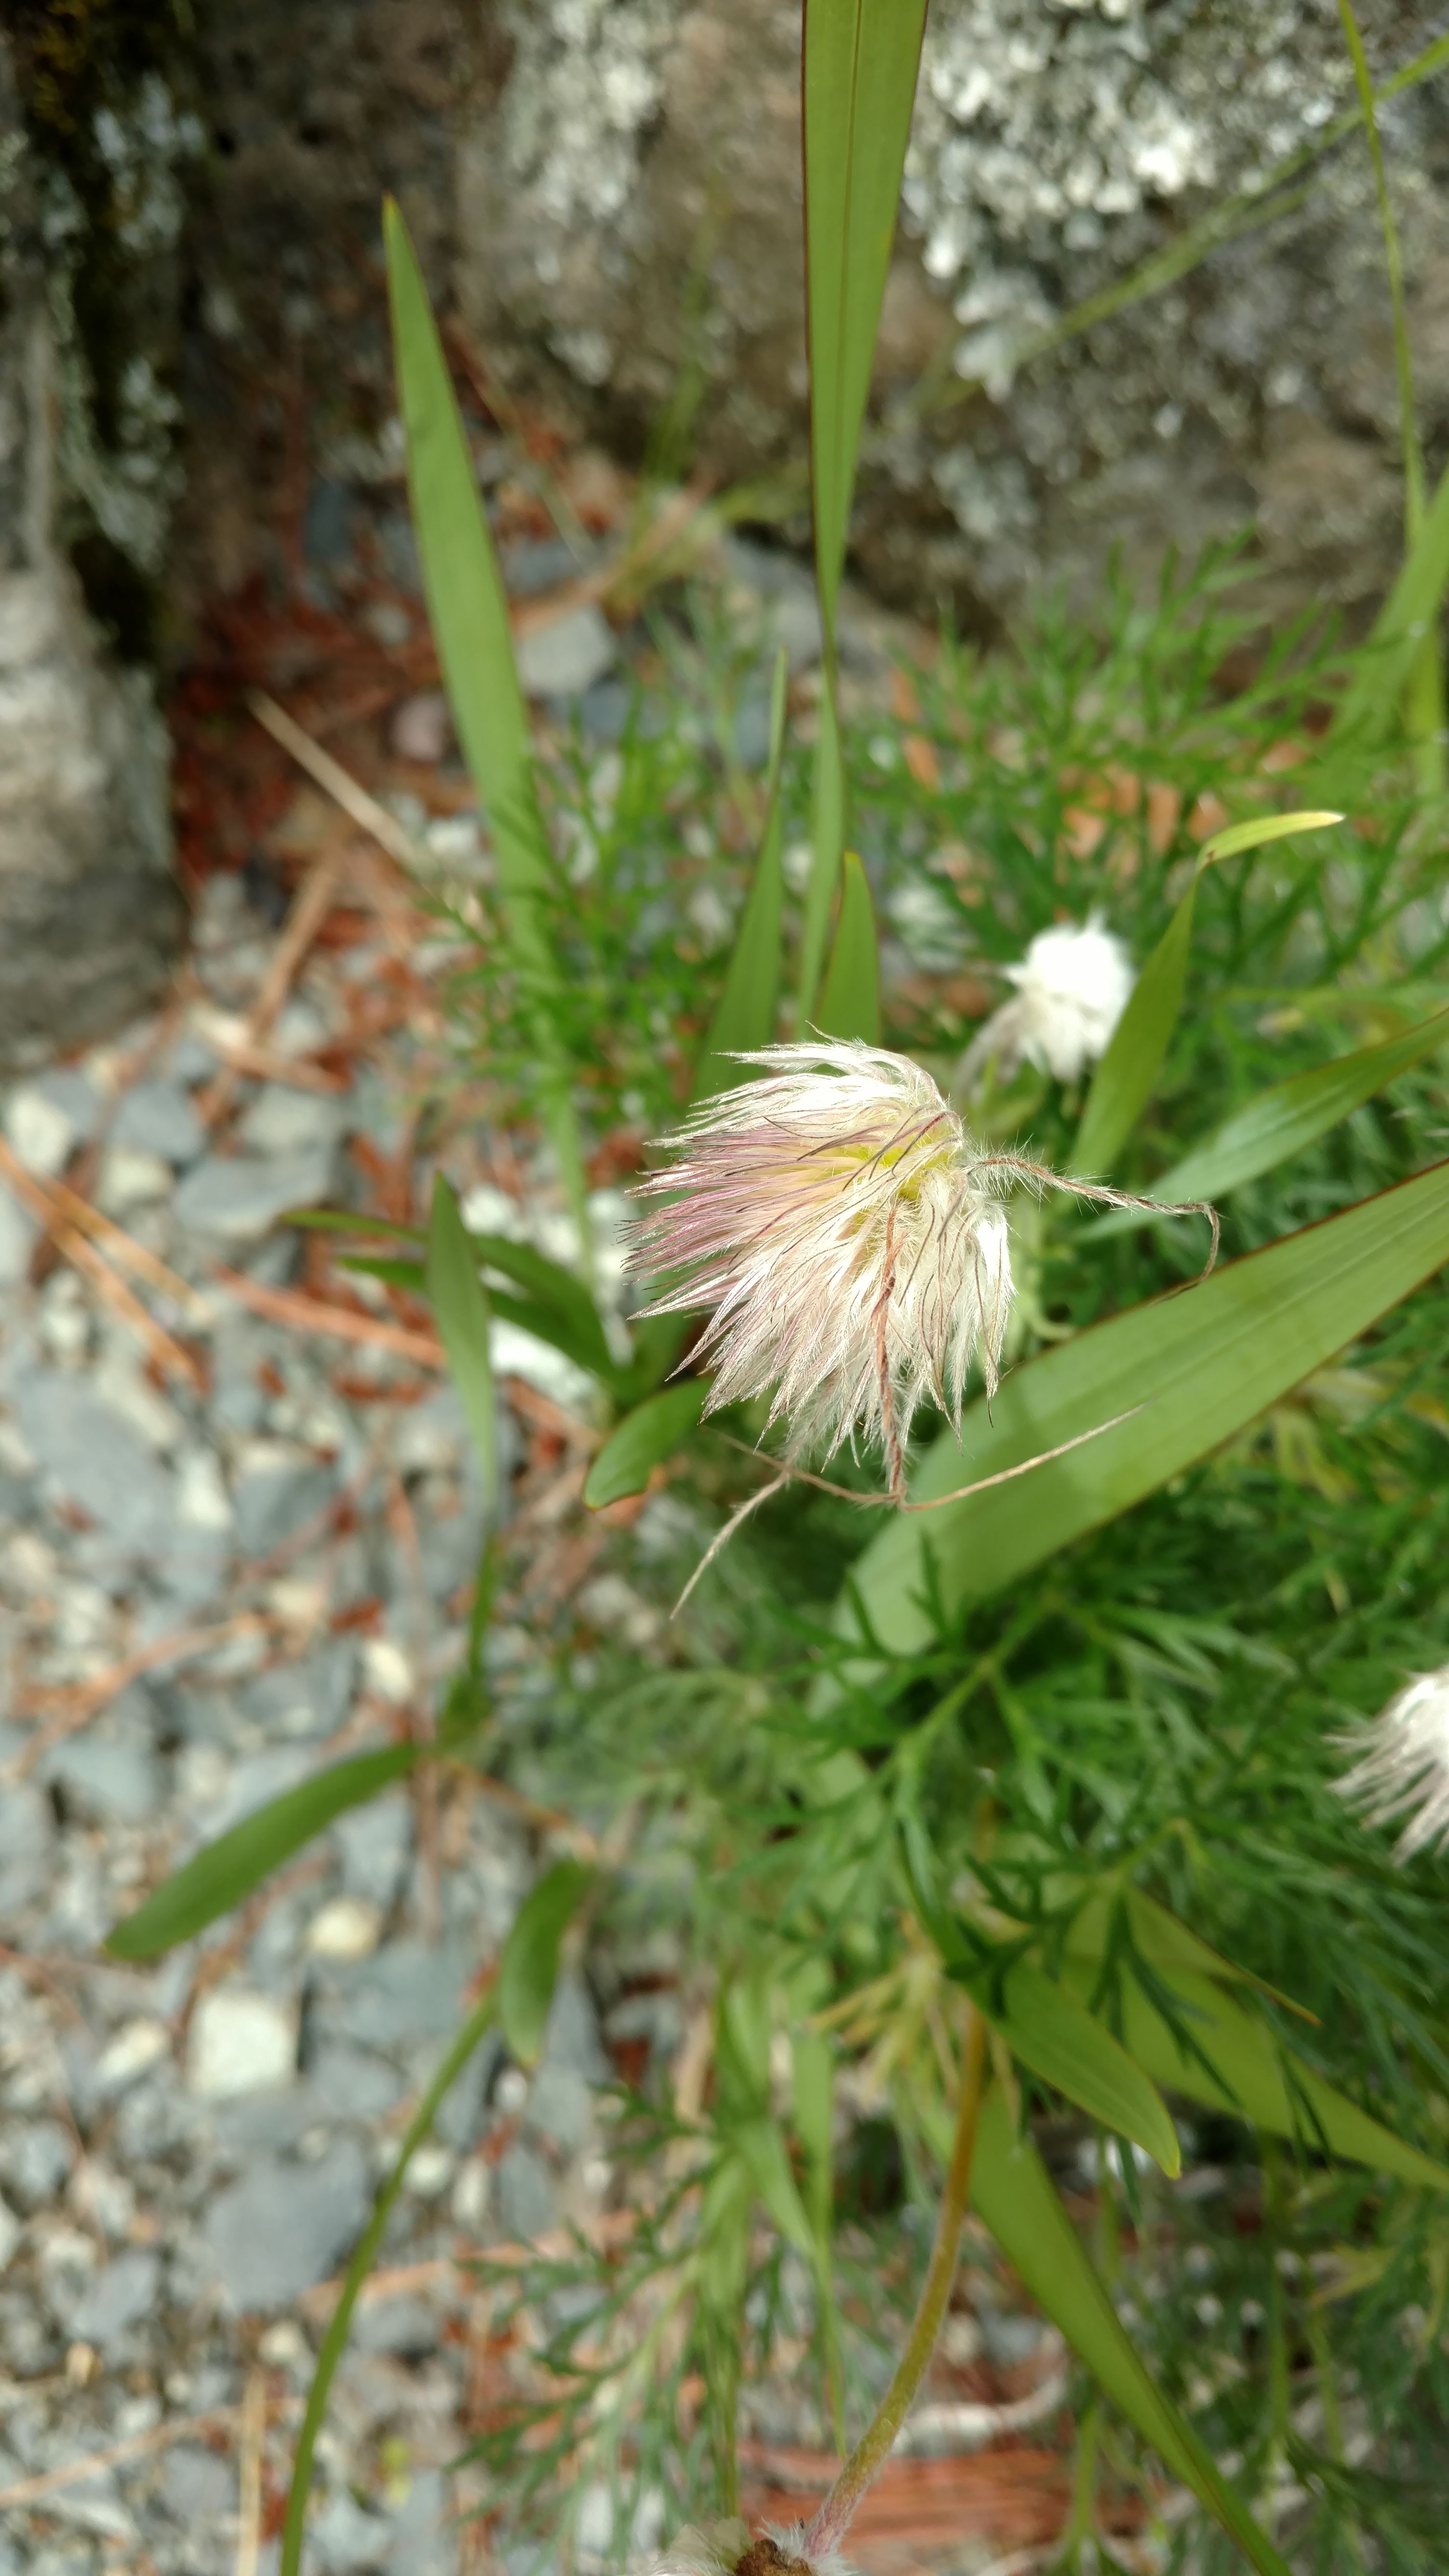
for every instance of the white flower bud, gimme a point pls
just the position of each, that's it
(1072, 988)
(1406, 1765)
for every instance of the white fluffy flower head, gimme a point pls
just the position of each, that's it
(1072, 988)
(726, 2549)
(1406, 1765)
(847, 1233)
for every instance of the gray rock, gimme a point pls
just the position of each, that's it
(376, 1842)
(197, 2486)
(561, 2106)
(397, 2323)
(565, 658)
(282, 1120)
(157, 1117)
(27, 1834)
(36, 2157)
(352, 2084)
(96, 1459)
(427, 2535)
(282, 2227)
(527, 2198)
(272, 1503)
(308, 1698)
(107, 1775)
(73, 1093)
(571, 2036)
(409, 1991)
(18, 1231)
(254, 2123)
(120, 2293)
(344, 2535)
(237, 1199)
(461, 2113)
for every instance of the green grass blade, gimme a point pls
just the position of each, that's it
(1385, 663)
(652, 1432)
(1200, 1364)
(1424, 696)
(1261, 2077)
(557, 1307)
(745, 1017)
(224, 1872)
(1124, 1080)
(1292, 1115)
(1060, 2040)
(858, 85)
(461, 1311)
(334, 2342)
(827, 842)
(850, 1004)
(528, 1973)
(468, 610)
(1011, 2191)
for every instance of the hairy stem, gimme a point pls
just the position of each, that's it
(834, 2517)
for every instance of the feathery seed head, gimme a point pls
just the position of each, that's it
(847, 1232)
(726, 2549)
(1406, 1765)
(1072, 987)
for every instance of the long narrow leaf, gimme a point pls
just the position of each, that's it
(1011, 2190)
(859, 83)
(651, 1433)
(850, 1002)
(827, 842)
(226, 1871)
(745, 1017)
(1263, 2081)
(461, 1310)
(1058, 2038)
(1199, 1365)
(468, 610)
(1285, 1120)
(528, 1972)
(1403, 625)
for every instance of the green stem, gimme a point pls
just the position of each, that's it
(1278, 2388)
(334, 2341)
(1318, 2345)
(834, 2517)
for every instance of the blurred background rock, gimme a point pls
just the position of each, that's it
(194, 370)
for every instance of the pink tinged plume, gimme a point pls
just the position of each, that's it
(1404, 1765)
(848, 1235)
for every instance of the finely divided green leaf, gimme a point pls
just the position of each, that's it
(633, 1450)
(1292, 1115)
(1060, 2040)
(1011, 2190)
(218, 1877)
(745, 1018)
(849, 1006)
(1199, 1363)
(1124, 1079)
(461, 1312)
(528, 1970)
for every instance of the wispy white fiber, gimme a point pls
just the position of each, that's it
(1404, 1765)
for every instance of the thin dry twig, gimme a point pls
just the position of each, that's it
(334, 780)
(169, 1354)
(123, 1249)
(136, 2446)
(310, 907)
(76, 1703)
(293, 1306)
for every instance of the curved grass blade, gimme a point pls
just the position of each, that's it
(1011, 2191)
(745, 1017)
(652, 1432)
(1199, 1364)
(468, 610)
(1124, 1079)
(1384, 664)
(460, 1309)
(1292, 1115)
(850, 1004)
(1060, 2040)
(224, 1872)
(827, 842)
